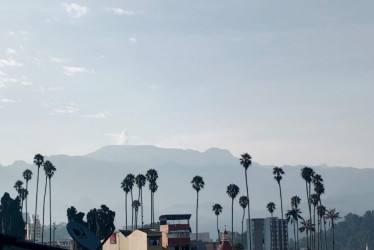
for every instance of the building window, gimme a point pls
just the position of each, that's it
(113, 239)
(153, 241)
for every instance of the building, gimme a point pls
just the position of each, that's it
(268, 234)
(175, 229)
(140, 239)
(38, 230)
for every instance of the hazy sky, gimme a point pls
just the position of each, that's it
(290, 82)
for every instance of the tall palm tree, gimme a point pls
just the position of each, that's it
(49, 170)
(38, 160)
(140, 181)
(130, 179)
(50, 174)
(307, 226)
(22, 193)
(271, 208)
(197, 184)
(232, 190)
(332, 215)
(243, 202)
(153, 187)
(278, 172)
(293, 216)
(152, 176)
(307, 174)
(246, 161)
(135, 205)
(27, 175)
(314, 200)
(217, 208)
(125, 187)
(295, 202)
(321, 211)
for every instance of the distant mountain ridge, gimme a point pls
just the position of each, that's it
(146, 154)
(90, 180)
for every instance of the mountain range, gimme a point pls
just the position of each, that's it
(94, 179)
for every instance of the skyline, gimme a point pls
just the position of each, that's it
(290, 83)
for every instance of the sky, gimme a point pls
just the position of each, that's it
(290, 82)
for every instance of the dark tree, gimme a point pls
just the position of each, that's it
(152, 177)
(11, 221)
(100, 221)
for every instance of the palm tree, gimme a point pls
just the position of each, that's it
(232, 190)
(38, 160)
(307, 174)
(153, 187)
(293, 215)
(197, 184)
(278, 172)
(50, 174)
(246, 161)
(22, 193)
(27, 175)
(307, 226)
(130, 179)
(135, 205)
(321, 211)
(217, 208)
(243, 202)
(332, 215)
(49, 170)
(125, 187)
(295, 202)
(271, 208)
(152, 176)
(140, 181)
(18, 185)
(314, 200)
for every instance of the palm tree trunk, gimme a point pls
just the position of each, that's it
(27, 226)
(132, 212)
(333, 235)
(126, 210)
(249, 211)
(294, 235)
(219, 237)
(50, 214)
(197, 210)
(232, 221)
(314, 222)
(141, 204)
(282, 233)
(242, 227)
(36, 202)
(45, 192)
(297, 234)
(151, 209)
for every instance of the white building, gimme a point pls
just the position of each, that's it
(267, 234)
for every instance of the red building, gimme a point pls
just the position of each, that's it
(175, 229)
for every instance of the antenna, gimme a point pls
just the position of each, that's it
(84, 236)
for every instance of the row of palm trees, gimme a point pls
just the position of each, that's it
(23, 193)
(314, 241)
(313, 237)
(140, 181)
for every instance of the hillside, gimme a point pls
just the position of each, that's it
(94, 179)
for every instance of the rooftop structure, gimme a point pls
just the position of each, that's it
(175, 229)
